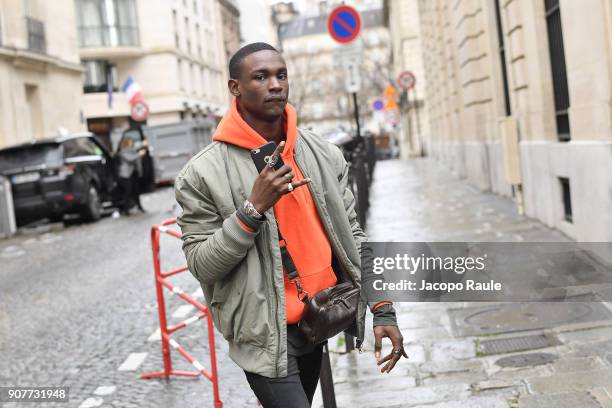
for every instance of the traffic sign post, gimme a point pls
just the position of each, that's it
(344, 25)
(407, 81)
(352, 77)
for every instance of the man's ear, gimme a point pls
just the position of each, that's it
(234, 87)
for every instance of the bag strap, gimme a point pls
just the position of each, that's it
(289, 267)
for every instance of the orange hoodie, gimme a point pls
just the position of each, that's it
(295, 212)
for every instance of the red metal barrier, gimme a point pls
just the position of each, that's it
(166, 341)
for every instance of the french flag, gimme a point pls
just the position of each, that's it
(132, 90)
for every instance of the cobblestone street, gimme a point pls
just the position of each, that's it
(78, 302)
(79, 309)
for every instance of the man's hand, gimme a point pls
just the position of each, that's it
(272, 184)
(393, 333)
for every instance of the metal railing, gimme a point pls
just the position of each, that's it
(361, 155)
(108, 36)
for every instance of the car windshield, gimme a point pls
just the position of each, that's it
(49, 155)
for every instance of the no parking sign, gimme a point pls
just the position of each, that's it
(344, 24)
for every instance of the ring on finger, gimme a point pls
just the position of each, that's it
(272, 161)
(289, 177)
(289, 187)
(397, 352)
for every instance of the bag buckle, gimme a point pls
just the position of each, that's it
(302, 294)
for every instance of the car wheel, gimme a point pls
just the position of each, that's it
(93, 206)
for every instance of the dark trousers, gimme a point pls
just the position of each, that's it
(294, 391)
(131, 193)
(127, 186)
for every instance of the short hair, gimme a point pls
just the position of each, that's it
(242, 53)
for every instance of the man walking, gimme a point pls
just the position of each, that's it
(235, 220)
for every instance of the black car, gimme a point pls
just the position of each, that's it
(63, 175)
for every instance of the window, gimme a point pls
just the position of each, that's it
(198, 39)
(502, 58)
(71, 149)
(557, 65)
(107, 23)
(48, 154)
(187, 34)
(567, 198)
(81, 147)
(37, 41)
(177, 40)
(180, 74)
(98, 75)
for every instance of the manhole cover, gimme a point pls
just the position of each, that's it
(513, 344)
(509, 317)
(526, 360)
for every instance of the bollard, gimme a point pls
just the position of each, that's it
(8, 225)
(362, 189)
(371, 155)
(327, 381)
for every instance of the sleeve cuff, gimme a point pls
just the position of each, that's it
(249, 223)
(243, 225)
(239, 236)
(385, 316)
(382, 303)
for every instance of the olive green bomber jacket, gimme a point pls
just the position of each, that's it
(240, 271)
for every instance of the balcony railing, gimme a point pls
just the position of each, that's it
(108, 36)
(37, 40)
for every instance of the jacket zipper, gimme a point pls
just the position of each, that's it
(276, 296)
(334, 238)
(330, 229)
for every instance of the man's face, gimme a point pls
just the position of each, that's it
(263, 87)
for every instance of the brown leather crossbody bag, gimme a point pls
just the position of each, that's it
(328, 312)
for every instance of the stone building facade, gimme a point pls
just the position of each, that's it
(540, 69)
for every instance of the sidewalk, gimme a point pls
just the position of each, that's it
(456, 349)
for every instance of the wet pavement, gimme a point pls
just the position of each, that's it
(466, 354)
(78, 308)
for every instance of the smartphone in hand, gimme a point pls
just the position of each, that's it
(262, 154)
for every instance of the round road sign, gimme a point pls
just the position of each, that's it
(378, 104)
(344, 24)
(140, 111)
(406, 80)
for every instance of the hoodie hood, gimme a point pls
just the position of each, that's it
(234, 130)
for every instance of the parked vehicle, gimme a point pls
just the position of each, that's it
(172, 145)
(57, 176)
(169, 147)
